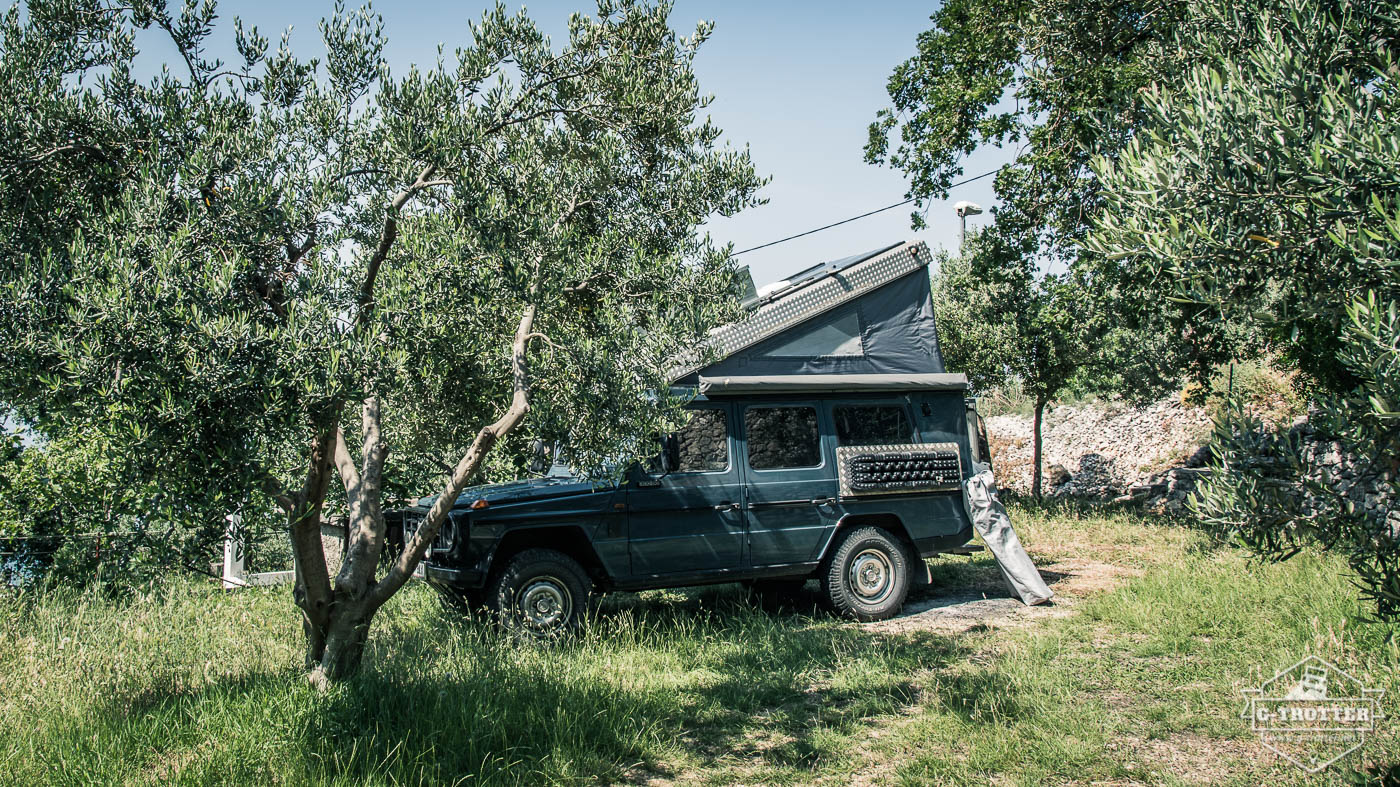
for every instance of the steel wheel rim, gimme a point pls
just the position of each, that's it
(545, 603)
(871, 576)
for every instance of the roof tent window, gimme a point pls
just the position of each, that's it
(782, 437)
(704, 443)
(864, 424)
(834, 338)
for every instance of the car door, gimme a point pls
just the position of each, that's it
(791, 482)
(692, 519)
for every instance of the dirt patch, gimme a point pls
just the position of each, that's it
(1197, 759)
(955, 613)
(1079, 578)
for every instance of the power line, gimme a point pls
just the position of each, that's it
(861, 216)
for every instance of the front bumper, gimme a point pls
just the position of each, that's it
(456, 577)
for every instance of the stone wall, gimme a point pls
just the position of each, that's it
(1098, 450)
(1156, 454)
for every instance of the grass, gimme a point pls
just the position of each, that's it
(1136, 679)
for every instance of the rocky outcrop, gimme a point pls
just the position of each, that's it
(1157, 454)
(1102, 450)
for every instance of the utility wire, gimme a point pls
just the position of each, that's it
(861, 216)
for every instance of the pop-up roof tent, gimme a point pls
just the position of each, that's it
(869, 314)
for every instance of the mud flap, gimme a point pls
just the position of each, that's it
(989, 517)
(921, 576)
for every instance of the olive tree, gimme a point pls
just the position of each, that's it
(999, 318)
(1262, 187)
(1060, 81)
(307, 278)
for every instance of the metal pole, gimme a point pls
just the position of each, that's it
(233, 553)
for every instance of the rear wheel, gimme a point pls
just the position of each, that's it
(867, 576)
(540, 592)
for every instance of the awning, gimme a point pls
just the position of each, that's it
(830, 383)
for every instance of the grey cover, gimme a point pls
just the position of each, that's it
(830, 383)
(989, 517)
(866, 314)
(895, 334)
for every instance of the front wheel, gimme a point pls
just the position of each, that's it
(867, 575)
(541, 593)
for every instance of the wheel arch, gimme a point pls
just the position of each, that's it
(883, 520)
(568, 539)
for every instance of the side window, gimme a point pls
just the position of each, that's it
(704, 443)
(782, 437)
(870, 424)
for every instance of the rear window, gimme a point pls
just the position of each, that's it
(870, 424)
(782, 437)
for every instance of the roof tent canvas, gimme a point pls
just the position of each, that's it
(866, 314)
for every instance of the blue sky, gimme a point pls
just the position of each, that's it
(798, 82)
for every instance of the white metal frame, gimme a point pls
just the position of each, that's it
(234, 575)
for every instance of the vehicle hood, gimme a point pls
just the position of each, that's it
(529, 490)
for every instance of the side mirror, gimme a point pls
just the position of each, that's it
(540, 458)
(670, 454)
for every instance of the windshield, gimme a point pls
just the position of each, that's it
(559, 468)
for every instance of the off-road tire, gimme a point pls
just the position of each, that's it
(867, 575)
(541, 593)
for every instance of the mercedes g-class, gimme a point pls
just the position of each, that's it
(826, 442)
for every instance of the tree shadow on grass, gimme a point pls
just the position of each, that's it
(658, 682)
(800, 673)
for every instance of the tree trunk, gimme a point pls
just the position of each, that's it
(345, 639)
(312, 591)
(338, 630)
(1035, 449)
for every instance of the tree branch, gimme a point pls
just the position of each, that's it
(349, 476)
(545, 339)
(386, 241)
(356, 172)
(485, 439)
(276, 491)
(295, 252)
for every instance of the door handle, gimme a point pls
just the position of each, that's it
(823, 501)
(727, 507)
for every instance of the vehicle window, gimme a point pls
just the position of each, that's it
(870, 424)
(836, 338)
(704, 443)
(781, 437)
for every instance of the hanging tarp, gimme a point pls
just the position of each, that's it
(989, 517)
